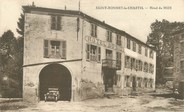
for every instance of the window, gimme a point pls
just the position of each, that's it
(118, 39)
(151, 68)
(56, 22)
(145, 82)
(93, 30)
(139, 82)
(151, 53)
(93, 53)
(54, 49)
(140, 65)
(146, 52)
(134, 46)
(127, 62)
(137, 64)
(151, 83)
(128, 43)
(118, 58)
(133, 63)
(127, 81)
(109, 36)
(139, 49)
(108, 54)
(145, 67)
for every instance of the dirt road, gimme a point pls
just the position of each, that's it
(149, 102)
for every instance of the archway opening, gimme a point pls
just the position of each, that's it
(55, 76)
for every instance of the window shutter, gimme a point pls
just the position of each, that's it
(107, 35)
(46, 48)
(63, 49)
(53, 22)
(87, 52)
(95, 31)
(58, 22)
(91, 29)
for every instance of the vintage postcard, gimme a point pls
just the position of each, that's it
(91, 56)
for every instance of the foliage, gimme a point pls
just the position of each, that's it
(161, 39)
(11, 66)
(11, 59)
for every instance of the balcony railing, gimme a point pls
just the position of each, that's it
(109, 63)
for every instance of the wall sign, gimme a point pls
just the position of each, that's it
(96, 41)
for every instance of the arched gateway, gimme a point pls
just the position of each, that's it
(55, 76)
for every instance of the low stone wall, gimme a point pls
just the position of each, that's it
(90, 90)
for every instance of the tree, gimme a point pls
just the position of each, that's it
(10, 65)
(161, 40)
(20, 25)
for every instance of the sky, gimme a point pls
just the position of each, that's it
(131, 16)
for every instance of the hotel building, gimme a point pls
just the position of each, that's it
(82, 57)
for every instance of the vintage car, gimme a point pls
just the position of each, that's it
(52, 94)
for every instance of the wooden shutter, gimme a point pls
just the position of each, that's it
(63, 49)
(53, 22)
(46, 48)
(91, 29)
(58, 22)
(95, 30)
(87, 52)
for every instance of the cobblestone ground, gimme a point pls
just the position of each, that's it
(149, 102)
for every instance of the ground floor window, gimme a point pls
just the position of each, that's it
(139, 82)
(128, 81)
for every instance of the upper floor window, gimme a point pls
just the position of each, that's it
(93, 30)
(128, 43)
(151, 68)
(137, 64)
(109, 36)
(118, 39)
(56, 22)
(145, 67)
(146, 52)
(140, 65)
(134, 46)
(151, 54)
(133, 63)
(93, 53)
(54, 49)
(139, 49)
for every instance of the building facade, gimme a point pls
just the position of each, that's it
(178, 37)
(81, 56)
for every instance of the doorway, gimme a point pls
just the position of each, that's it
(55, 76)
